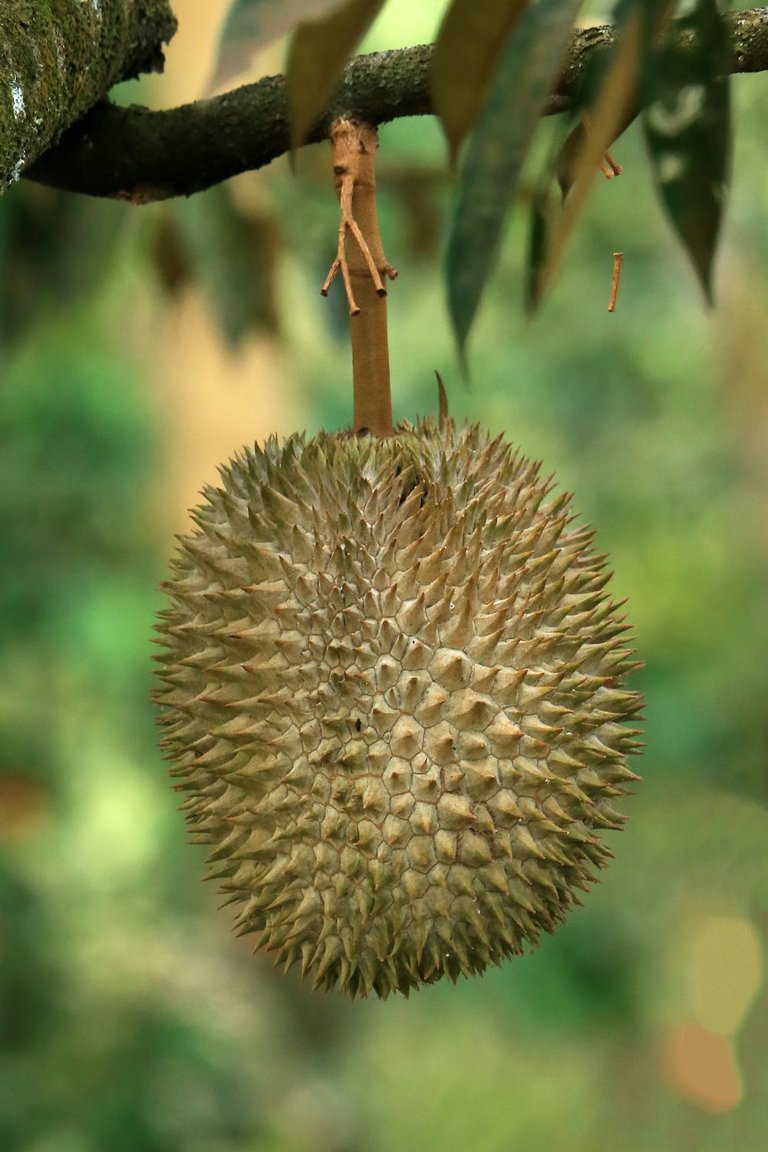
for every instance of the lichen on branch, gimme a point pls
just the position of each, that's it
(58, 60)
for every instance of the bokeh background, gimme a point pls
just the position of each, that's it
(140, 347)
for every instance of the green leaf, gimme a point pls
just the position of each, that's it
(570, 155)
(538, 243)
(653, 15)
(250, 24)
(230, 251)
(497, 150)
(467, 51)
(55, 250)
(319, 50)
(687, 126)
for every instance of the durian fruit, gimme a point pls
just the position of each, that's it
(393, 684)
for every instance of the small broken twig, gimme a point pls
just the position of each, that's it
(618, 259)
(351, 169)
(609, 167)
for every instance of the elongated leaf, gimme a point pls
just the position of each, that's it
(250, 24)
(687, 125)
(230, 252)
(497, 150)
(653, 15)
(469, 45)
(569, 158)
(646, 19)
(538, 243)
(616, 98)
(54, 252)
(319, 50)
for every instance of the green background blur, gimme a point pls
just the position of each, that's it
(130, 1018)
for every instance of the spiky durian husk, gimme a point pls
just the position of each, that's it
(393, 686)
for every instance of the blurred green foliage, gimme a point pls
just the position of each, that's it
(129, 1018)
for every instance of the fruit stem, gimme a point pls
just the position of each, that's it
(354, 144)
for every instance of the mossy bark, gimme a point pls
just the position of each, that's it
(60, 57)
(143, 156)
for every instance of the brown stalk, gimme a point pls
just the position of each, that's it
(363, 266)
(618, 259)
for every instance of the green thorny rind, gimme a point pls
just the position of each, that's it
(393, 686)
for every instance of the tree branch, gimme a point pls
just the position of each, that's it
(140, 155)
(59, 59)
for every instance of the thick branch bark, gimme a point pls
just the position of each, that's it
(58, 60)
(140, 155)
(136, 154)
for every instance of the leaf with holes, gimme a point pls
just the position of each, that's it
(469, 45)
(319, 50)
(687, 126)
(497, 150)
(250, 24)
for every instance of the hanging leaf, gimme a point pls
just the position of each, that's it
(570, 155)
(168, 254)
(414, 189)
(251, 24)
(636, 24)
(580, 159)
(230, 251)
(538, 243)
(319, 50)
(687, 125)
(497, 150)
(653, 15)
(55, 250)
(469, 45)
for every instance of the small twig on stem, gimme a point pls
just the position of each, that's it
(609, 167)
(348, 223)
(354, 145)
